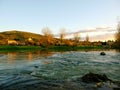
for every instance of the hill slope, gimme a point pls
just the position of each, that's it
(18, 36)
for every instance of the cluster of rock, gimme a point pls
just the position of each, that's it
(100, 81)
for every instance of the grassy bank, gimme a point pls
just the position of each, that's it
(50, 48)
(75, 48)
(18, 48)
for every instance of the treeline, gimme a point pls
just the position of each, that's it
(47, 39)
(76, 40)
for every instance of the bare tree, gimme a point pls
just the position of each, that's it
(46, 31)
(48, 36)
(87, 38)
(117, 36)
(76, 38)
(62, 35)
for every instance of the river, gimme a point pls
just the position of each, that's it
(29, 67)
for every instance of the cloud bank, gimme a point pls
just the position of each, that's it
(96, 34)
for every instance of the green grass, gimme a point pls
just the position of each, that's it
(61, 48)
(49, 48)
(75, 48)
(88, 47)
(18, 48)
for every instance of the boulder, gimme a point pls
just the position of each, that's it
(103, 53)
(92, 77)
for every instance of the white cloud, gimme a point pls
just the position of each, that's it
(96, 34)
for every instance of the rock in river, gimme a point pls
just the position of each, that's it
(103, 53)
(92, 77)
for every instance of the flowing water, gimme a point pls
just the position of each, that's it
(19, 68)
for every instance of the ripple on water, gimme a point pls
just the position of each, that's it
(78, 63)
(62, 66)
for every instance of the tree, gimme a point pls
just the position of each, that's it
(117, 36)
(76, 38)
(87, 38)
(48, 36)
(62, 35)
(46, 31)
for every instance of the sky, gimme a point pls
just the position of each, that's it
(72, 15)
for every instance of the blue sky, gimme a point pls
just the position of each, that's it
(73, 15)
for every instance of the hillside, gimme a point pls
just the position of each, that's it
(18, 36)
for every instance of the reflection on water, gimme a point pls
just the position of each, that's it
(22, 60)
(11, 57)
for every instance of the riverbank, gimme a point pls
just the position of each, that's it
(18, 48)
(75, 48)
(50, 48)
